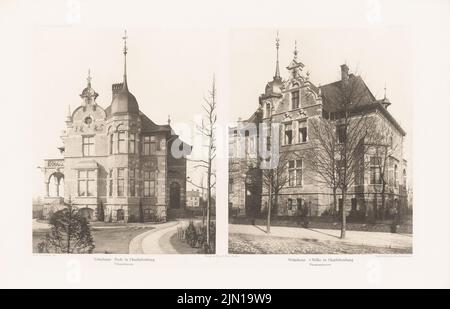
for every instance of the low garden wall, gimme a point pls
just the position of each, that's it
(325, 223)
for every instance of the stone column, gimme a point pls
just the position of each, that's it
(47, 189)
(57, 186)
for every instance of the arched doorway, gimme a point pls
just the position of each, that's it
(120, 215)
(55, 185)
(174, 195)
(86, 213)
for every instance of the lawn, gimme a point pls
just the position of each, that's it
(256, 244)
(107, 240)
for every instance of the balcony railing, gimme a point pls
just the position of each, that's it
(54, 163)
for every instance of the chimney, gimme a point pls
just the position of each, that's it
(344, 72)
(116, 88)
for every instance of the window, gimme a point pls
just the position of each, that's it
(295, 170)
(146, 145)
(291, 173)
(404, 177)
(86, 183)
(152, 184)
(146, 183)
(295, 99)
(111, 143)
(88, 146)
(149, 183)
(131, 175)
(302, 132)
(111, 182)
(152, 144)
(132, 143)
(396, 175)
(342, 133)
(289, 204)
(121, 142)
(299, 204)
(268, 143)
(120, 181)
(288, 134)
(375, 169)
(268, 110)
(299, 172)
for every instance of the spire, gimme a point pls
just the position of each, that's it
(125, 51)
(277, 69)
(385, 100)
(89, 78)
(295, 51)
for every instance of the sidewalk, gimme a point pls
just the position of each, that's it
(375, 239)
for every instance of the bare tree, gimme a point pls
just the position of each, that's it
(321, 157)
(208, 129)
(274, 179)
(355, 126)
(384, 149)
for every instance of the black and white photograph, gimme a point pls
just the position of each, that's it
(320, 156)
(228, 151)
(119, 178)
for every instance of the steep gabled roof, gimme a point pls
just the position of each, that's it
(332, 93)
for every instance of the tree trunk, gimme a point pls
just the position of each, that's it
(68, 229)
(383, 199)
(334, 200)
(208, 205)
(269, 206)
(343, 223)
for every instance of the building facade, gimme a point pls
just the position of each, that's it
(193, 198)
(117, 164)
(293, 103)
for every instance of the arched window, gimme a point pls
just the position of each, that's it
(268, 110)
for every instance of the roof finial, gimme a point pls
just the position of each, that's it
(385, 90)
(295, 51)
(125, 51)
(89, 78)
(277, 69)
(168, 120)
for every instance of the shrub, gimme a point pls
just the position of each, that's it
(69, 233)
(191, 235)
(204, 246)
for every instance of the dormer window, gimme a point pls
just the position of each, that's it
(295, 99)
